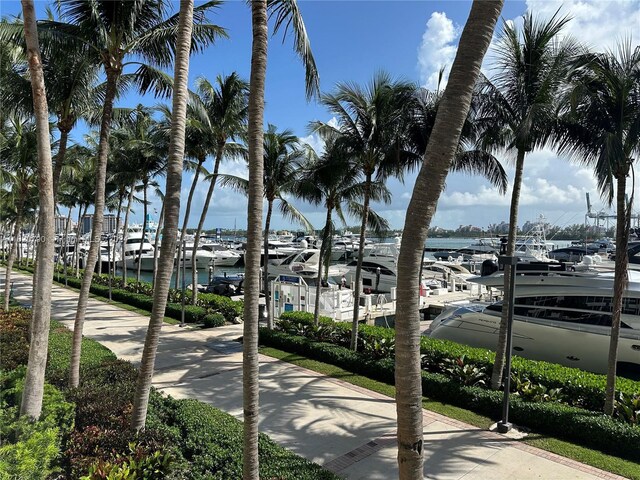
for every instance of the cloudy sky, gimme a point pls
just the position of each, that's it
(411, 40)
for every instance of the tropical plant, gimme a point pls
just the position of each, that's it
(334, 181)
(224, 118)
(184, 40)
(518, 108)
(283, 157)
(33, 393)
(111, 33)
(441, 149)
(601, 128)
(286, 14)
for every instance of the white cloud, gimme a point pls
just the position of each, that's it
(437, 50)
(599, 24)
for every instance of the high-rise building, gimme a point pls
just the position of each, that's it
(108, 224)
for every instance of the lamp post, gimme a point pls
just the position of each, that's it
(504, 425)
(109, 263)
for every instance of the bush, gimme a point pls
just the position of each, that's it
(14, 341)
(587, 428)
(213, 320)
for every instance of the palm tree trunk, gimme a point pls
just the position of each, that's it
(33, 392)
(172, 209)
(203, 216)
(501, 348)
(64, 128)
(265, 268)
(186, 216)
(620, 280)
(442, 146)
(82, 210)
(250, 381)
(96, 228)
(65, 243)
(125, 229)
(356, 293)
(112, 266)
(323, 248)
(155, 245)
(12, 254)
(144, 228)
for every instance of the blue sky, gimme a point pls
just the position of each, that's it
(351, 40)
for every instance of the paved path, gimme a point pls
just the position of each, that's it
(348, 429)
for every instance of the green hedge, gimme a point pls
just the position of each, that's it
(583, 427)
(583, 388)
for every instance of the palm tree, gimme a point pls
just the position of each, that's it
(371, 123)
(442, 147)
(19, 154)
(601, 128)
(224, 117)
(287, 14)
(110, 34)
(172, 207)
(33, 392)
(519, 110)
(283, 158)
(333, 181)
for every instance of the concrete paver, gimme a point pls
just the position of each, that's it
(347, 429)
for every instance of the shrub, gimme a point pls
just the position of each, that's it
(136, 464)
(581, 426)
(14, 342)
(213, 320)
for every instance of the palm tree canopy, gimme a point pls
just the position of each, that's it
(371, 121)
(518, 106)
(601, 121)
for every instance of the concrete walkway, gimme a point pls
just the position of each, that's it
(347, 429)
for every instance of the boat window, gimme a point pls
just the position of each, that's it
(288, 260)
(495, 307)
(372, 267)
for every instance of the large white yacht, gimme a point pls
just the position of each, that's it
(134, 254)
(560, 317)
(222, 256)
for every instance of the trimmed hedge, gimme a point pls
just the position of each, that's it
(592, 429)
(583, 388)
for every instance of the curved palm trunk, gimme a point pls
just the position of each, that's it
(33, 392)
(186, 217)
(250, 386)
(12, 254)
(501, 348)
(323, 249)
(203, 216)
(65, 243)
(357, 288)
(125, 229)
(155, 245)
(144, 229)
(621, 278)
(82, 210)
(96, 230)
(441, 149)
(265, 268)
(172, 208)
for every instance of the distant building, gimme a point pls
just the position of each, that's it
(108, 224)
(60, 224)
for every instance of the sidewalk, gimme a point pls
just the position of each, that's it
(345, 428)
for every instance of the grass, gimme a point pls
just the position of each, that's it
(581, 454)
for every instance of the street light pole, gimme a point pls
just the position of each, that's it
(184, 293)
(110, 272)
(504, 425)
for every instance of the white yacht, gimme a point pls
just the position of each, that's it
(222, 256)
(305, 264)
(560, 317)
(379, 268)
(134, 254)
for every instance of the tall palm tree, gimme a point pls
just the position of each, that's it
(286, 14)
(33, 391)
(441, 149)
(18, 160)
(371, 122)
(111, 34)
(224, 117)
(283, 156)
(335, 182)
(519, 109)
(172, 207)
(601, 128)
